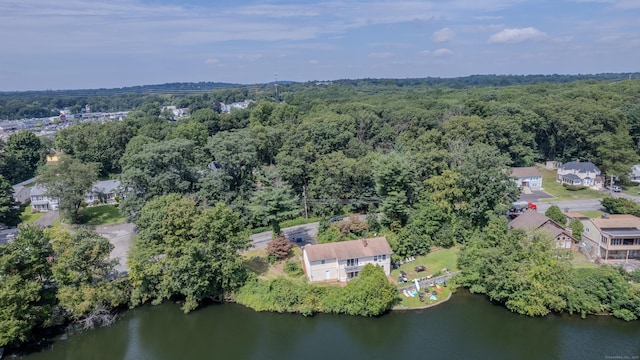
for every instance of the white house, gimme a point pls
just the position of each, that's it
(39, 200)
(343, 260)
(634, 176)
(527, 177)
(580, 174)
(613, 237)
(103, 192)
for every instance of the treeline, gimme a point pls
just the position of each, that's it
(530, 277)
(50, 277)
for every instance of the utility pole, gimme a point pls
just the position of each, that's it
(611, 186)
(304, 200)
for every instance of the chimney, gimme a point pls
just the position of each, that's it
(364, 242)
(605, 215)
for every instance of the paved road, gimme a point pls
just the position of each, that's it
(120, 237)
(47, 218)
(571, 205)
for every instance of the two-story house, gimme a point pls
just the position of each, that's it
(343, 260)
(580, 173)
(532, 220)
(527, 177)
(613, 236)
(104, 192)
(39, 200)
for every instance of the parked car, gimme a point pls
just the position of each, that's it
(420, 268)
(335, 219)
(615, 188)
(403, 276)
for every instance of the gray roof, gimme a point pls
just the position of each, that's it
(106, 186)
(571, 177)
(38, 190)
(580, 166)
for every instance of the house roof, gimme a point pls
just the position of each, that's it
(533, 220)
(106, 186)
(525, 171)
(571, 177)
(529, 219)
(580, 166)
(617, 222)
(348, 249)
(635, 170)
(38, 190)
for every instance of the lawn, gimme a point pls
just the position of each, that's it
(434, 262)
(631, 189)
(414, 302)
(256, 262)
(592, 214)
(556, 189)
(584, 265)
(101, 215)
(29, 217)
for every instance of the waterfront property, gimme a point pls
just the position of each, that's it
(532, 220)
(343, 260)
(613, 237)
(578, 173)
(527, 177)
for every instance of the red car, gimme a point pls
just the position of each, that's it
(420, 268)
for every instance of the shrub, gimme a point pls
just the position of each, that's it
(574, 187)
(293, 268)
(279, 248)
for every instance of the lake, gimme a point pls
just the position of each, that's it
(467, 327)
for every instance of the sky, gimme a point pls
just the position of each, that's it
(85, 44)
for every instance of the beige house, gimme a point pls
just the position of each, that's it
(343, 260)
(532, 220)
(578, 173)
(613, 236)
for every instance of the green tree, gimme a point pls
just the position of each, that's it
(616, 153)
(554, 213)
(577, 228)
(26, 288)
(84, 275)
(182, 251)
(485, 183)
(68, 181)
(9, 208)
(159, 168)
(620, 206)
(273, 201)
(370, 294)
(190, 130)
(25, 150)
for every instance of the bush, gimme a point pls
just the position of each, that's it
(574, 187)
(293, 268)
(279, 248)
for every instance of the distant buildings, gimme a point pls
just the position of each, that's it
(236, 105)
(102, 192)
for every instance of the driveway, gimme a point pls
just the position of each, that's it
(120, 236)
(48, 218)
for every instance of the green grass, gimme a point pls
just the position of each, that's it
(414, 302)
(29, 217)
(584, 265)
(556, 189)
(434, 262)
(631, 189)
(101, 215)
(592, 214)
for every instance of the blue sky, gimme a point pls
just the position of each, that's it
(72, 44)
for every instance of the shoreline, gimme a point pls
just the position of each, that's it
(404, 308)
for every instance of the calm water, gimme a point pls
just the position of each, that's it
(467, 327)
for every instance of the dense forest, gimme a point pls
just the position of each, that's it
(433, 159)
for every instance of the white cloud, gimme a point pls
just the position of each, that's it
(380, 55)
(425, 53)
(443, 35)
(250, 57)
(620, 4)
(442, 52)
(517, 35)
(212, 61)
(314, 62)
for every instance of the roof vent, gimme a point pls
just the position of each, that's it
(364, 242)
(605, 215)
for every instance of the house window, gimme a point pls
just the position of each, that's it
(375, 257)
(616, 241)
(586, 229)
(322, 262)
(603, 240)
(384, 256)
(352, 262)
